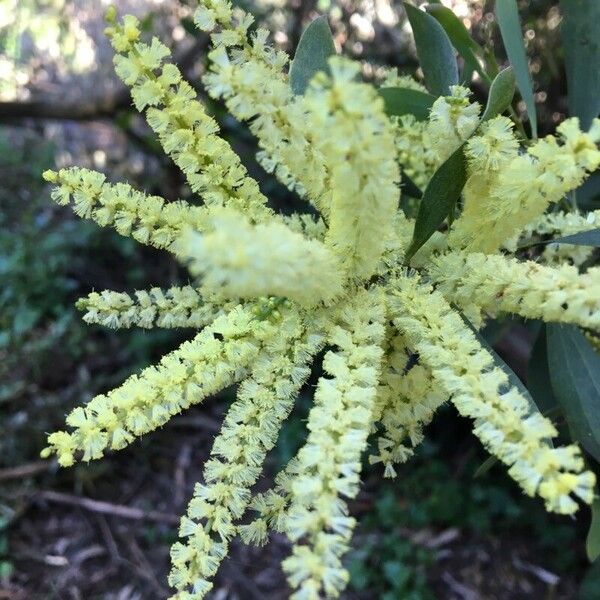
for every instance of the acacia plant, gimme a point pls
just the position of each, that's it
(390, 298)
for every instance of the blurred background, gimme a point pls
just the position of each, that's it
(442, 529)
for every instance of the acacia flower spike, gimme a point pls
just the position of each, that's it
(171, 308)
(148, 219)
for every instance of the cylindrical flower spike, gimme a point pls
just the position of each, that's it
(496, 284)
(240, 260)
(197, 369)
(407, 398)
(148, 219)
(499, 204)
(504, 420)
(249, 431)
(187, 133)
(329, 463)
(170, 308)
(354, 136)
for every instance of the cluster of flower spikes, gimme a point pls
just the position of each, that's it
(270, 292)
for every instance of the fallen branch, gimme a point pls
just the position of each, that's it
(107, 508)
(27, 470)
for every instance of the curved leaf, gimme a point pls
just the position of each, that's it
(538, 375)
(507, 14)
(439, 199)
(501, 94)
(460, 37)
(580, 32)
(409, 187)
(314, 49)
(575, 376)
(582, 238)
(402, 101)
(592, 541)
(436, 55)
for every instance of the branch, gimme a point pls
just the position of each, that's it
(107, 508)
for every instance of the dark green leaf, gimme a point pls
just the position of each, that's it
(314, 49)
(538, 375)
(501, 94)
(588, 195)
(580, 32)
(583, 238)
(485, 466)
(575, 376)
(402, 101)
(439, 199)
(410, 188)
(592, 542)
(436, 55)
(461, 39)
(507, 14)
(590, 586)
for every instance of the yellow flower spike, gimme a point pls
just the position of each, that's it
(239, 260)
(503, 419)
(249, 431)
(503, 202)
(354, 138)
(197, 369)
(329, 463)
(408, 398)
(187, 133)
(171, 308)
(500, 284)
(148, 219)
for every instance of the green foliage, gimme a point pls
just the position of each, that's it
(580, 32)
(461, 39)
(436, 55)
(404, 101)
(501, 94)
(315, 47)
(592, 544)
(512, 36)
(439, 199)
(447, 183)
(575, 374)
(584, 238)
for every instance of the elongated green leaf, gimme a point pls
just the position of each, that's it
(538, 375)
(590, 585)
(580, 32)
(410, 188)
(314, 49)
(439, 199)
(592, 542)
(436, 55)
(575, 376)
(461, 39)
(403, 101)
(583, 238)
(502, 92)
(507, 15)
